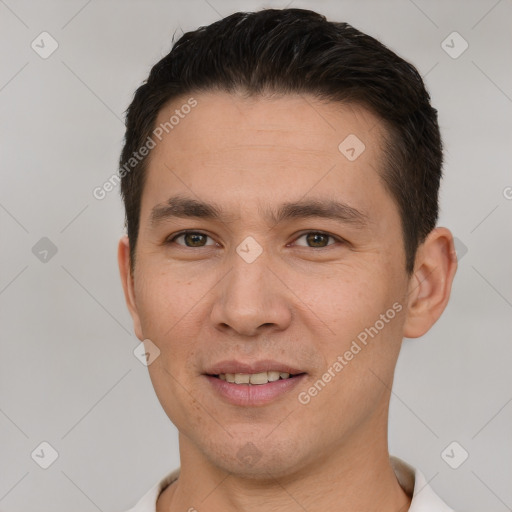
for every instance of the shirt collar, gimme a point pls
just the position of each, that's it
(415, 485)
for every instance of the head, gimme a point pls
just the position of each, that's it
(304, 159)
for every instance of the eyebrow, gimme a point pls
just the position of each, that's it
(185, 207)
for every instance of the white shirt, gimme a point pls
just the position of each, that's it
(412, 482)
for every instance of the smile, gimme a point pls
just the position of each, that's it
(254, 378)
(252, 390)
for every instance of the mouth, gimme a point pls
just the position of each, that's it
(255, 379)
(254, 384)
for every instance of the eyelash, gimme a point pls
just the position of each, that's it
(172, 238)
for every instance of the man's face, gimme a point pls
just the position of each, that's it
(246, 289)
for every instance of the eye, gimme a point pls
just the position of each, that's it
(196, 239)
(317, 239)
(191, 238)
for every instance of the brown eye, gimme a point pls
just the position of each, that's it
(316, 239)
(192, 239)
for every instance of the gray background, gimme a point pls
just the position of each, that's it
(68, 375)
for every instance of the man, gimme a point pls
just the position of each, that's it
(280, 176)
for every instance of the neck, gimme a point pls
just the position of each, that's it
(354, 476)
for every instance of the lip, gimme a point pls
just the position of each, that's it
(252, 395)
(265, 365)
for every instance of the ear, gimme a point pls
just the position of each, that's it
(431, 282)
(123, 259)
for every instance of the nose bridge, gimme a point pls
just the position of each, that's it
(251, 296)
(249, 277)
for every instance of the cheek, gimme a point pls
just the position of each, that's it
(347, 300)
(170, 310)
(362, 314)
(162, 300)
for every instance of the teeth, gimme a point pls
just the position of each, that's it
(272, 376)
(242, 378)
(254, 378)
(259, 378)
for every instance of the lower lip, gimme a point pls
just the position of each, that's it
(247, 395)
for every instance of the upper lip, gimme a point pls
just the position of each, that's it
(266, 365)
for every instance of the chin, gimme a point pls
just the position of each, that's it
(262, 459)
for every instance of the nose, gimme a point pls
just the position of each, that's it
(251, 300)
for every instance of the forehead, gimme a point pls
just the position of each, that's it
(222, 121)
(242, 150)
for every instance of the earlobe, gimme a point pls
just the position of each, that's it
(123, 259)
(430, 285)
